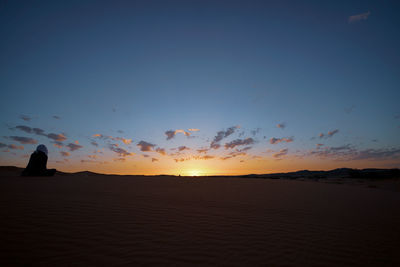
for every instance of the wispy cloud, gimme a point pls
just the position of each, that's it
(329, 134)
(202, 150)
(64, 154)
(23, 140)
(359, 17)
(12, 146)
(193, 130)
(154, 159)
(171, 133)
(25, 117)
(281, 153)
(281, 125)
(161, 151)
(57, 137)
(255, 131)
(120, 151)
(56, 117)
(73, 147)
(94, 143)
(221, 135)
(126, 141)
(239, 142)
(274, 140)
(182, 148)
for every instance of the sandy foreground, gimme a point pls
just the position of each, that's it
(118, 220)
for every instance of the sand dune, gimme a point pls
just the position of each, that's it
(117, 220)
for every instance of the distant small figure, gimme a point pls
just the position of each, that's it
(37, 165)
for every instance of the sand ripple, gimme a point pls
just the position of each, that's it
(92, 221)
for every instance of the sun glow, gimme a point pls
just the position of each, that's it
(194, 173)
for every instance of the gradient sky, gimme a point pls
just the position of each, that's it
(200, 87)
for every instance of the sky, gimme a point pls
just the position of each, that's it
(200, 87)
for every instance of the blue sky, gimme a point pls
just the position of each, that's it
(136, 69)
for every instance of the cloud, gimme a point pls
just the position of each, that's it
(57, 137)
(161, 151)
(23, 140)
(274, 140)
(94, 143)
(281, 125)
(120, 151)
(239, 142)
(119, 159)
(193, 130)
(24, 128)
(202, 150)
(182, 148)
(171, 133)
(154, 159)
(25, 117)
(359, 17)
(12, 146)
(56, 117)
(255, 131)
(145, 146)
(38, 131)
(281, 153)
(122, 139)
(64, 154)
(332, 133)
(221, 135)
(329, 134)
(73, 147)
(58, 144)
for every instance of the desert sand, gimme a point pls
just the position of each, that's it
(121, 220)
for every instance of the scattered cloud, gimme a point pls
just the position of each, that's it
(182, 148)
(24, 128)
(145, 146)
(56, 117)
(56, 137)
(359, 17)
(73, 147)
(281, 153)
(58, 144)
(255, 131)
(281, 125)
(122, 139)
(274, 140)
(202, 150)
(171, 133)
(38, 131)
(94, 143)
(161, 151)
(23, 140)
(12, 146)
(119, 159)
(120, 151)
(64, 154)
(154, 159)
(329, 134)
(25, 117)
(221, 135)
(239, 142)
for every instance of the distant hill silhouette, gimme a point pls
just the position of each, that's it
(302, 174)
